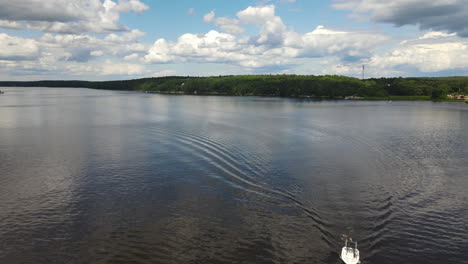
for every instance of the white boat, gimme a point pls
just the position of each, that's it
(349, 254)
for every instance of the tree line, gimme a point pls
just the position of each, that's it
(328, 86)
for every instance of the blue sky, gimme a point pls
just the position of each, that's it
(122, 39)
(304, 16)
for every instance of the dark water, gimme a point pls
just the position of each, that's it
(91, 176)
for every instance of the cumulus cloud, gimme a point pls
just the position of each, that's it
(229, 25)
(69, 45)
(438, 15)
(81, 48)
(272, 27)
(72, 54)
(433, 52)
(28, 10)
(71, 17)
(133, 56)
(274, 45)
(15, 48)
(10, 24)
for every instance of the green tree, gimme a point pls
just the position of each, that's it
(439, 94)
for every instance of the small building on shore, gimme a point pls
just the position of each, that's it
(457, 96)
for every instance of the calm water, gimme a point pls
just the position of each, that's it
(90, 176)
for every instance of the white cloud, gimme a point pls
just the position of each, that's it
(71, 16)
(435, 35)
(275, 45)
(431, 53)
(257, 15)
(10, 24)
(229, 25)
(131, 36)
(97, 53)
(80, 48)
(15, 48)
(133, 56)
(70, 46)
(272, 27)
(64, 54)
(130, 5)
(438, 15)
(427, 55)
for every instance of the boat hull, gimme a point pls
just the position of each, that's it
(350, 255)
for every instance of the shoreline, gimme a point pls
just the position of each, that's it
(389, 98)
(323, 87)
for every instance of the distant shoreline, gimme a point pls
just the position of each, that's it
(292, 86)
(390, 98)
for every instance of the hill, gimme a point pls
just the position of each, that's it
(328, 86)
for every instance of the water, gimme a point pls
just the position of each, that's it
(90, 176)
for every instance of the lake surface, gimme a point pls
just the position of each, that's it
(89, 176)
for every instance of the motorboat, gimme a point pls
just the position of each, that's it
(350, 254)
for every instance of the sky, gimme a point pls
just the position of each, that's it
(127, 39)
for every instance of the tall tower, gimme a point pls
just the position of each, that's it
(363, 70)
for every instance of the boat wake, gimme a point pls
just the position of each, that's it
(240, 167)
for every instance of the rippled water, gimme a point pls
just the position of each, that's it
(90, 176)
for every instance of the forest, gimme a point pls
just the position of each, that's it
(327, 86)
